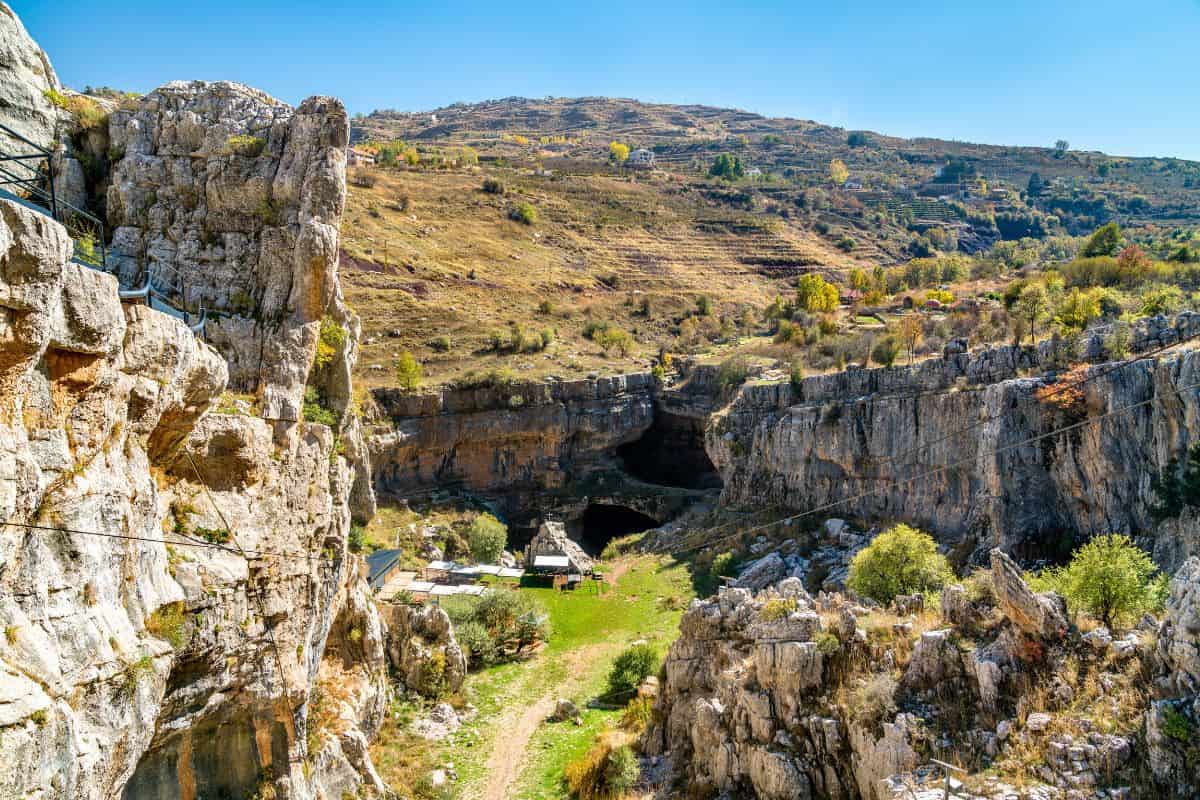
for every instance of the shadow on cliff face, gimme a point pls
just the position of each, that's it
(602, 523)
(671, 453)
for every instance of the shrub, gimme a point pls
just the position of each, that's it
(637, 714)
(480, 647)
(796, 375)
(631, 667)
(546, 336)
(585, 775)
(723, 566)
(509, 619)
(1110, 578)
(363, 178)
(732, 373)
(355, 538)
(611, 338)
(1176, 725)
(523, 213)
(315, 410)
(900, 561)
(622, 770)
(704, 305)
(441, 344)
(777, 608)
(1176, 488)
(493, 186)
(408, 372)
(828, 644)
(331, 339)
(214, 535)
(487, 538)
(169, 622)
(979, 586)
(886, 350)
(874, 700)
(545, 308)
(245, 145)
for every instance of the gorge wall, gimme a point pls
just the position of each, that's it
(877, 435)
(182, 617)
(530, 448)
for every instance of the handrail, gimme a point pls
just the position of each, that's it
(34, 145)
(137, 294)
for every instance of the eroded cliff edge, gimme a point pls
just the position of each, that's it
(181, 615)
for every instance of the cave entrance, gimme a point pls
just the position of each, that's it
(671, 453)
(603, 522)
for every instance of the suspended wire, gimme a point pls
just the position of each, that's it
(935, 471)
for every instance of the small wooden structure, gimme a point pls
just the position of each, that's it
(380, 565)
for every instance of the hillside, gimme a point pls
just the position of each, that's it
(439, 265)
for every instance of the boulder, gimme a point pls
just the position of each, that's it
(1040, 615)
(565, 710)
(762, 572)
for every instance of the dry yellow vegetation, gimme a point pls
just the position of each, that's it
(434, 264)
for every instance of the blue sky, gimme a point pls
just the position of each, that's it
(1118, 77)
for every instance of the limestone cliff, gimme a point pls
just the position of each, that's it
(175, 582)
(25, 78)
(869, 434)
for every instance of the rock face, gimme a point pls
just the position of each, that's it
(422, 650)
(25, 77)
(232, 201)
(1173, 719)
(551, 540)
(966, 419)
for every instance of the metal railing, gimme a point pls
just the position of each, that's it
(29, 177)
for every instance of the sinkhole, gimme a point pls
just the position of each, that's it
(671, 453)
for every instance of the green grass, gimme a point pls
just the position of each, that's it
(589, 630)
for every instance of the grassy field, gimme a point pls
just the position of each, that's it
(589, 629)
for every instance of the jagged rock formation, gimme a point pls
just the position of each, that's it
(133, 666)
(231, 642)
(551, 539)
(422, 650)
(871, 432)
(25, 77)
(778, 695)
(232, 200)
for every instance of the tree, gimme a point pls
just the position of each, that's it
(1106, 241)
(1061, 147)
(912, 328)
(1133, 265)
(838, 172)
(886, 350)
(900, 561)
(857, 139)
(408, 372)
(815, 294)
(487, 538)
(1035, 186)
(618, 152)
(1110, 578)
(728, 167)
(1079, 307)
(1031, 306)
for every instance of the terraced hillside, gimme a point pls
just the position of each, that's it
(434, 264)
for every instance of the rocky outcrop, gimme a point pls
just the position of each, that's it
(422, 650)
(1173, 718)
(551, 539)
(961, 447)
(232, 201)
(25, 78)
(774, 694)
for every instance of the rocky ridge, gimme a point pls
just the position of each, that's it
(777, 694)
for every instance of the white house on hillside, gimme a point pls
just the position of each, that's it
(640, 158)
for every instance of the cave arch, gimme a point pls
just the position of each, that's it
(603, 522)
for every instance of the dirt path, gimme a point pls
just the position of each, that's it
(516, 728)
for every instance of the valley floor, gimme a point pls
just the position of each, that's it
(508, 750)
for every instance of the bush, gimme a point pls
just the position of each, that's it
(900, 561)
(622, 770)
(246, 145)
(777, 608)
(169, 622)
(886, 350)
(479, 646)
(363, 178)
(355, 538)
(732, 373)
(828, 644)
(408, 372)
(611, 338)
(487, 538)
(1110, 578)
(874, 700)
(704, 305)
(630, 668)
(723, 566)
(637, 714)
(493, 186)
(523, 213)
(441, 344)
(315, 410)
(331, 339)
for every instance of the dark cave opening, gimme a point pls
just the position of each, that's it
(603, 522)
(671, 453)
